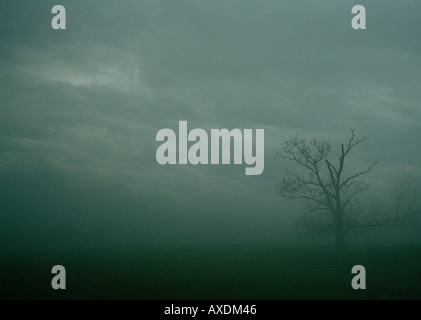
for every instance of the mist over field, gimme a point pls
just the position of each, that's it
(80, 109)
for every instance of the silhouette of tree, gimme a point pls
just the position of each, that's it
(404, 213)
(330, 194)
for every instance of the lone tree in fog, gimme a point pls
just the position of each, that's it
(331, 195)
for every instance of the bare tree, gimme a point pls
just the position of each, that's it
(404, 213)
(400, 192)
(331, 196)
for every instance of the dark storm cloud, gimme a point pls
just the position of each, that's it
(84, 105)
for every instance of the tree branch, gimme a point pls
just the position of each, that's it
(357, 175)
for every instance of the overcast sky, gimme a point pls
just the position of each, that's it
(80, 109)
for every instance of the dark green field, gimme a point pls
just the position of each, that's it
(213, 272)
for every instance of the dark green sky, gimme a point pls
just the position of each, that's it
(80, 108)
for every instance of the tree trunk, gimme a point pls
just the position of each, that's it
(340, 240)
(339, 233)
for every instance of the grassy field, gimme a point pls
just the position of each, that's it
(213, 272)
